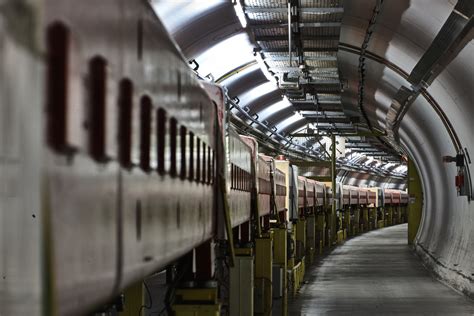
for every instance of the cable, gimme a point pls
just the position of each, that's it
(149, 299)
(361, 67)
(171, 288)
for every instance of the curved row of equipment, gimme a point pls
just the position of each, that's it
(131, 167)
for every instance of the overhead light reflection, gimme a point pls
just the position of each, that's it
(264, 68)
(239, 11)
(224, 57)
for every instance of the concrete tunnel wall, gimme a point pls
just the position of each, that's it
(445, 239)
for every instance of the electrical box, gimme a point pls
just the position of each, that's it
(241, 286)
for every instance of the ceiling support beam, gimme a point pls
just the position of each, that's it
(313, 163)
(285, 50)
(303, 37)
(312, 70)
(356, 133)
(300, 10)
(320, 107)
(328, 120)
(285, 25)
(308, 58)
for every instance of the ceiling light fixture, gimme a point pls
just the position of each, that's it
(239, 11)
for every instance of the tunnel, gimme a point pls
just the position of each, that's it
(353, 95)
(400, 41)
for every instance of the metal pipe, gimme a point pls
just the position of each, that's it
(289, 31)
(333, 186)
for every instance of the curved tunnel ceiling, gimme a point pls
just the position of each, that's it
(210, 33)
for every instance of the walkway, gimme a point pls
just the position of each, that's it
(376, 274)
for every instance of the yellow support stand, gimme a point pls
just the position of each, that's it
(263, 274)
(356, 224)
(372, 218)
(340, 237)
(291, 261)
(347, 222)
(365, 219)
(320, 232)
(241, 292)
(333, 234)
(280, 246)
(196, 302)
(415, 205)
(300, 238)
(279, 258)
(310, 237)
(134, 299)
(389, 216)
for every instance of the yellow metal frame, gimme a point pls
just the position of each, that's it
(279, 257)
(347, 221)
(340, 237)
(321, 231)
(300, 231)
(197, 310)
(372, 218)
(415, 204)
(380, 224)
(310, 238)
(356, 224)
(264, 270)
(291, 262)
(297, 275)
(243, 251)
(197, 294)
(197, 302)
(134, 299)
(365, 219)
(388, 221)
(241, 291)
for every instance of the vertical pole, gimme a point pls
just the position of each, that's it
(415, 202)
(333, 186)
(289, 31)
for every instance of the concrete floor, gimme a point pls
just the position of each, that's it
(376, 274)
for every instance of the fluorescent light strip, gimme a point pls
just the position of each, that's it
(239, 11)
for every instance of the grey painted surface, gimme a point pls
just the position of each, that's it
(376, 274)
(20, 179)
(405, 30)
